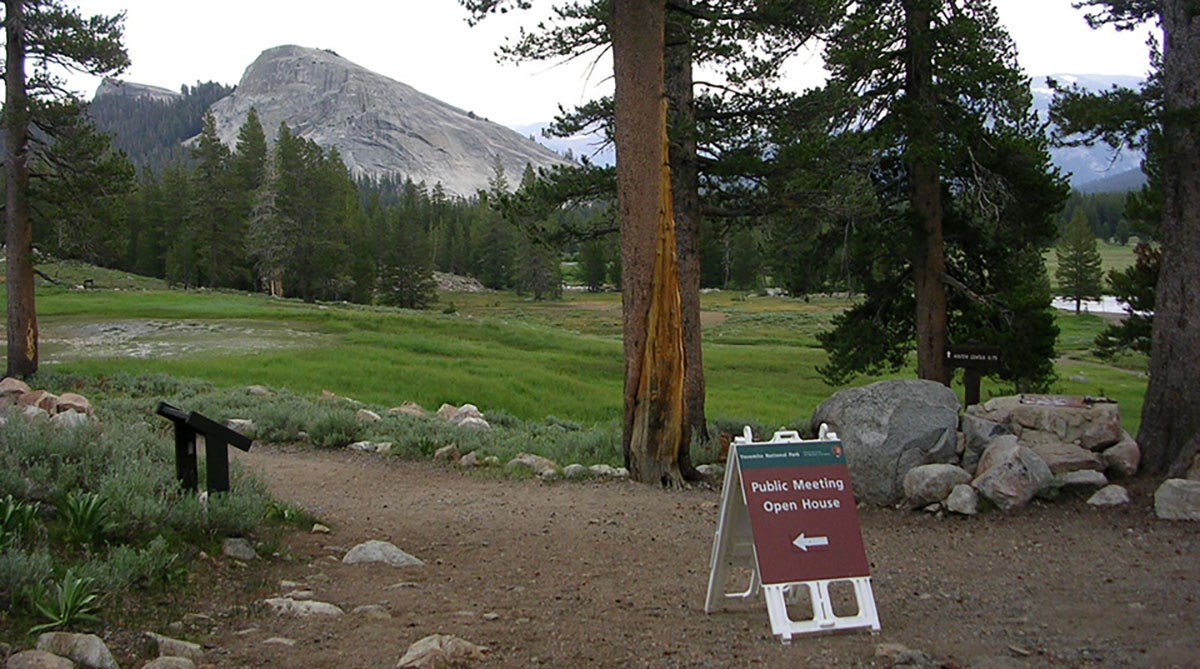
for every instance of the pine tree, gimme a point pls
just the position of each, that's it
(40, 33)
(1079, 273)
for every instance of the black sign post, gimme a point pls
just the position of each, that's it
(974, 360)
(217, 440)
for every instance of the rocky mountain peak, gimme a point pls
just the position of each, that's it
(380, 126)
(116, 87)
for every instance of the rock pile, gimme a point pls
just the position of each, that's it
(65, 649)
(67, 409)
(904, 445)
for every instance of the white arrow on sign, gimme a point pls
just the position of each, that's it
(804, 543)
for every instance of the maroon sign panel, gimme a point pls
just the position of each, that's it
(802, 512)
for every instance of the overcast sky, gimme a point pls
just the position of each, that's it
(428, 45)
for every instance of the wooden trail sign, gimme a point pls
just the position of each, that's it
(788, 514)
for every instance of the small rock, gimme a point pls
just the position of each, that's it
(372, 611)
(318, 528)
(38, 659)
(1124, 458)
(927, 484)
(176, 648)
(531, 463)
(238, 549)
(381, 551)
(242, 426)
(85, 649)
(42, 399)
(70, 420)
(713, 470)
(286, 606)
(300, 595)
(170, 662)
(963, 500)
(367, 416)
(280, 641)
(549, 476)
(1178, 499)
(1062, 458)
(438, 651)
(491, 615)
(259, 391)
(447, 453)
(576, 472)
(1111, 495)
(409, 409)
(371, 446)
(447, 411)
(1083, 478)
(74, 402)
(11, 388)
(473, 423)
(603, 470)
(464, 412)
(469, 460)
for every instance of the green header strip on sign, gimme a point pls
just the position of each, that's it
(811, 454)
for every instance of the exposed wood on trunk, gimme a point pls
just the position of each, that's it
(685, 191)
(653, 419)
(1170, 424)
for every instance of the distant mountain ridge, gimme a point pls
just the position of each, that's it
(1091, 168)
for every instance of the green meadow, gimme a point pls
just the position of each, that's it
(498, 351)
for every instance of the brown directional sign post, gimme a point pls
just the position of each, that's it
(974, 360)
(802, 512)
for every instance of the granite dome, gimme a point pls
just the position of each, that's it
(380, 126)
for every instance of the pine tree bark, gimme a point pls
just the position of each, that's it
(21, 324)
(685, 193)
(653, 418)
(929, 261)
(1170, 428)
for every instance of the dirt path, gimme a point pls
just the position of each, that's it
(614, 575)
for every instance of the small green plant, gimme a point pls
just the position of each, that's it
(289, 514)
(85, 517)
(17, 520)
(68, 603)
(334, 429)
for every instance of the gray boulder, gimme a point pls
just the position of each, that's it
(38, 659)
(531, 463)
(978, 432)
(888, 428)
(166, 646)
(1014, 477)
(1109, 495)
(1123, 459)
(380, 551)
(963, 500)
(1063, 458)
(84, 649)
(1083, 478)
(928, 484)
(1178, 499)
(1056, 418)
(441, 650)
(286, 606)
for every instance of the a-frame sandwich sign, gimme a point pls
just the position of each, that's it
(788, 515)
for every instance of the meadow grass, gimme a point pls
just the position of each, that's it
(1112, 257)
(529, 359)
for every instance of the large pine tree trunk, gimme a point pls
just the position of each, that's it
(22, 312)
(685, 193)
(1170, 428)
(929, 261)
(653, 423)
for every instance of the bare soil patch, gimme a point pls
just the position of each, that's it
(614, 575)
